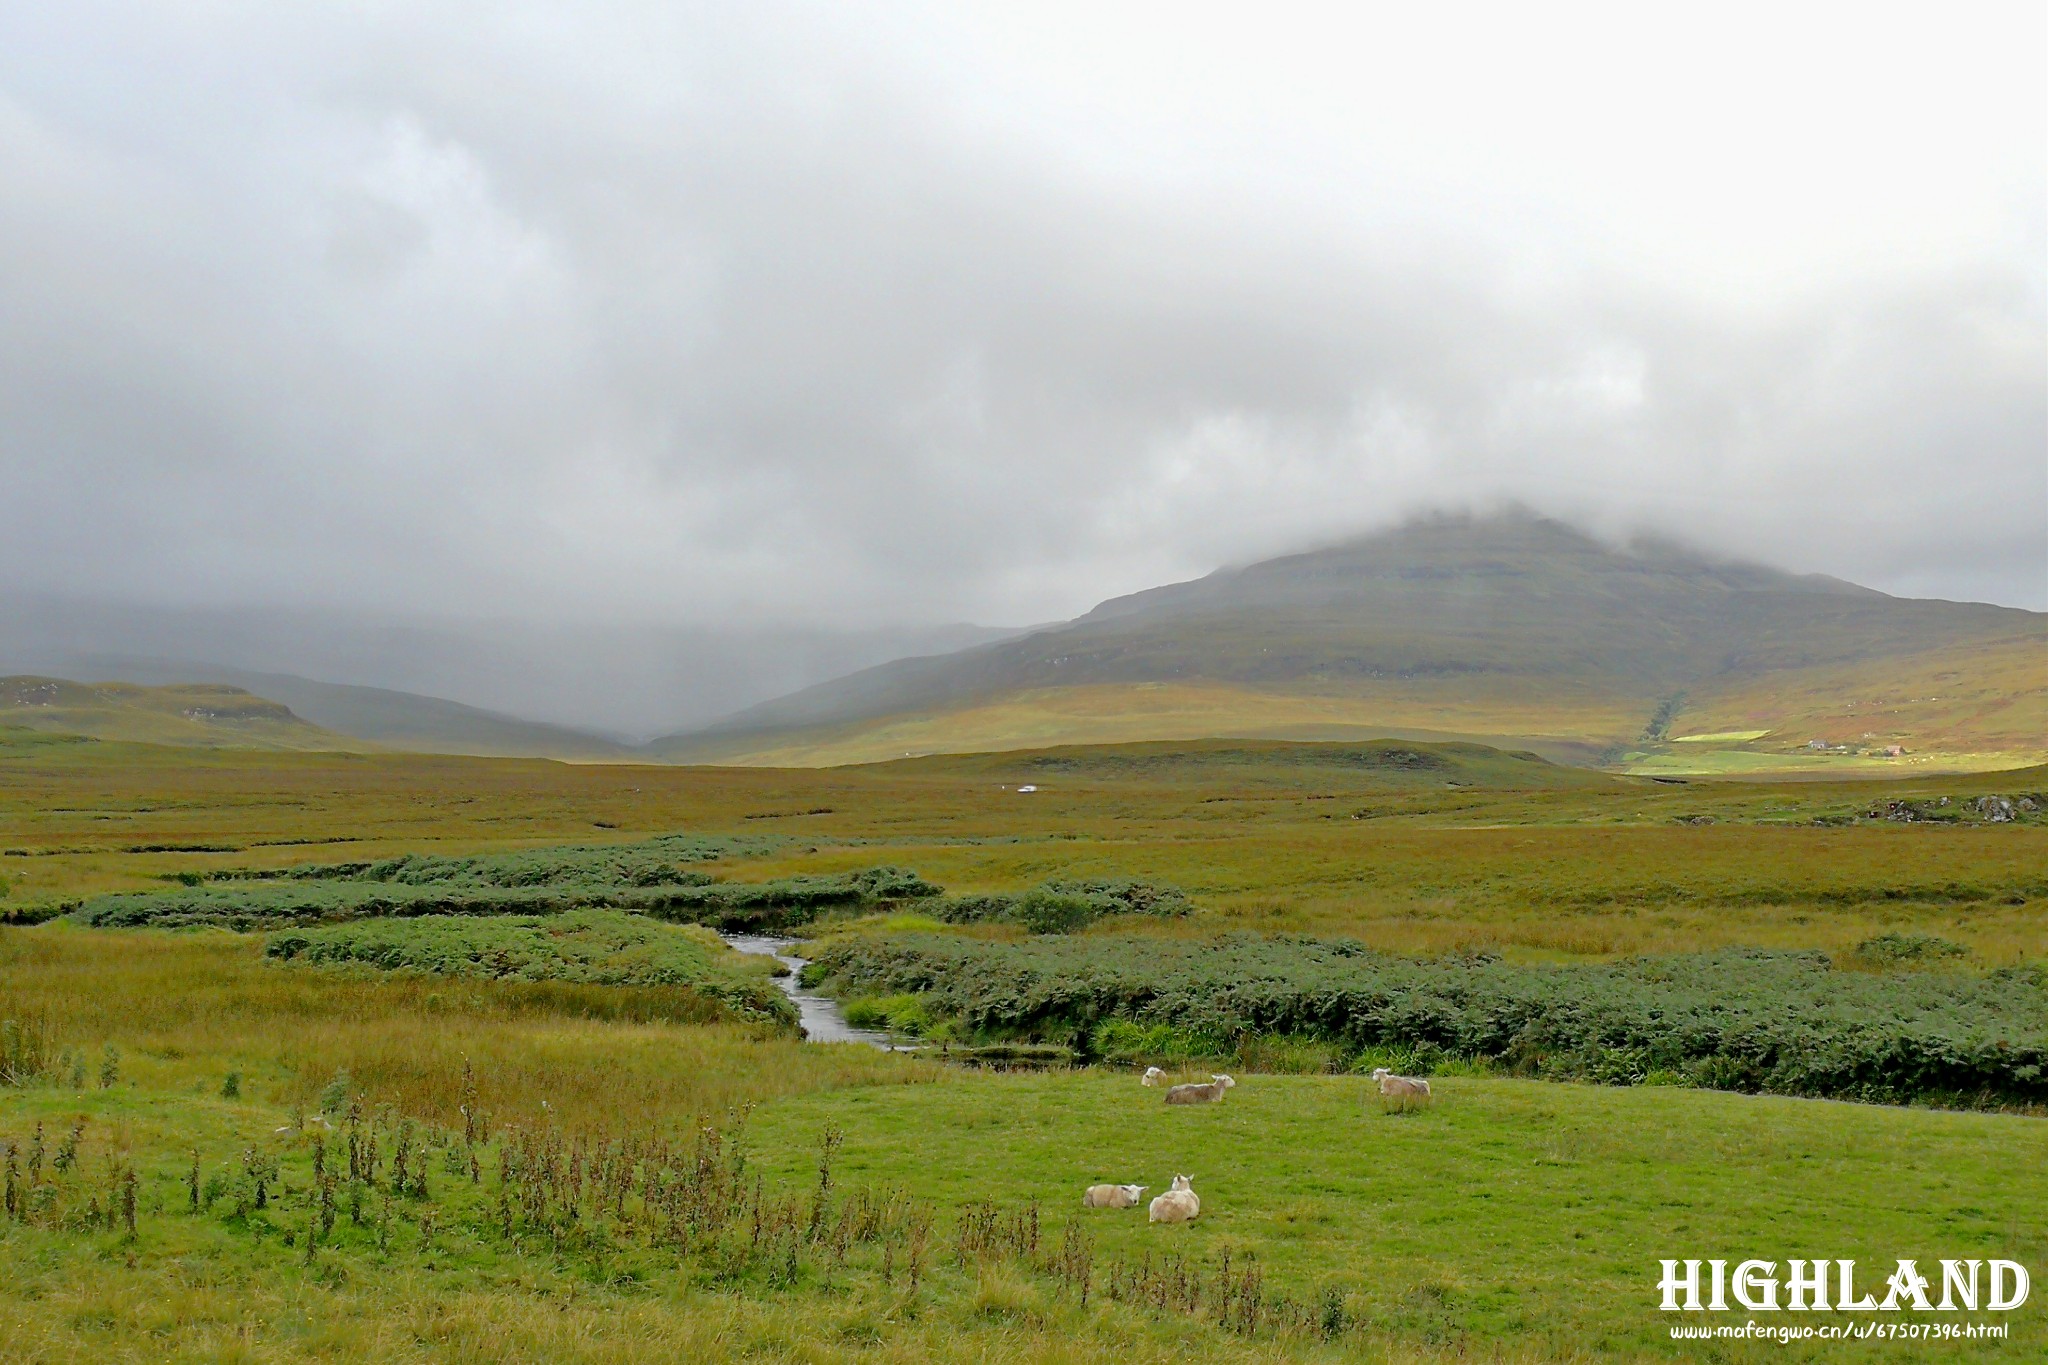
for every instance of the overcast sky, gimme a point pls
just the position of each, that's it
(881, 313)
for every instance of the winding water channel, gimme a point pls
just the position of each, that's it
(823, 1020)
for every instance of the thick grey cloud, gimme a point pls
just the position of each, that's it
(804, 315)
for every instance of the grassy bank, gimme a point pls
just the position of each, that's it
(710, 982)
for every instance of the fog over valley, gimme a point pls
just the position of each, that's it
(700, 354)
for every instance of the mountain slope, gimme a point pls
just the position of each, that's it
(382, 716)
(1508, 628)
(194, 714)
(621, 680)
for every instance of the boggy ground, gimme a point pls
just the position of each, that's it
(1514, 1220)
(1467, 850)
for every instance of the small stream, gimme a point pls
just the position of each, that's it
(823, 1020)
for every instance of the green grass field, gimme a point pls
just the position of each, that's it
(1515, 1220)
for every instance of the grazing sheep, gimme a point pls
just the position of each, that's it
(1113, 1196)
(1179, 1204)
(1200, 1094)
(1400, 1091)
(1153, 1076)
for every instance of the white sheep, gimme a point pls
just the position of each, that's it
(1153, 1076)
(1113, 1196)
(1179, 1204)
(1200, 1094)
(1400, 1091)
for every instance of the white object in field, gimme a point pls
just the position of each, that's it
(1200, 1094)
(1179, 1204)
(1112, 1196)
(1403, 1090)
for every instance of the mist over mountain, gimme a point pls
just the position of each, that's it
(1504, 627)
(1497, 625)
(810, 315)
(619, 682)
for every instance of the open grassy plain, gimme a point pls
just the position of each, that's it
(1515, 1220)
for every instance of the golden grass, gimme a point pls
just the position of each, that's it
(1969, 708)
(210, 1003)
(1577, 722)
(1988, 700)
(1600, 866)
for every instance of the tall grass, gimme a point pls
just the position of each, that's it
(186, 1009)
(709, 982)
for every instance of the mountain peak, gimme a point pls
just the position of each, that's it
(1456, 624)
(1490, 554)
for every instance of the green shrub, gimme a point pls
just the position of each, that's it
(1734, 1020)
(35, 912)
(1052, 912)
(660, 861)
(1288, 1054)
(278, 902)
(1890, 949)
(334, 1099)
(1126, 1042)
(973, 909)
(1118, 897)
(1061, 907)
(903, 1013)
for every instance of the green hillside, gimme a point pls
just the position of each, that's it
(203, 714)
(381, 716)
(1511, 629)
(406, 720)
(1378, 763)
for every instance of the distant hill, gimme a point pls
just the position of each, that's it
(200, 714)
(1237, 764)
(624, 681)
(1510, 629)
(386, 718)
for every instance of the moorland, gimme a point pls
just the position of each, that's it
(440, 1062)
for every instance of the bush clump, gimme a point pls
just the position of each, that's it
(687, 897)
(661, 861)
(903, 1013)
(1735, 1020)
(1892, 949)
(1061, 907)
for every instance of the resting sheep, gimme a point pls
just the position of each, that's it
(1112, 1196)
(1200, 1094)
(1153, 1076)
(1179, 1204)
(1400, 1091)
